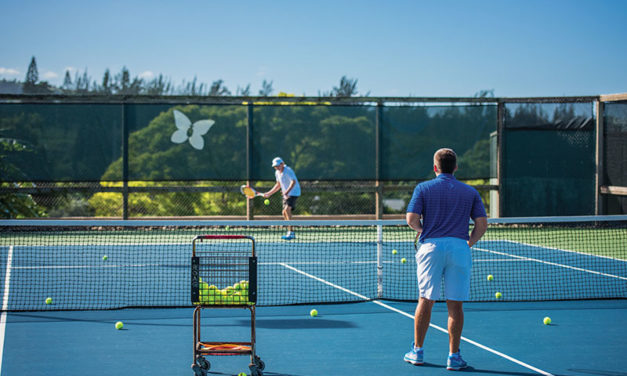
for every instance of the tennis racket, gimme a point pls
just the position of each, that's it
(416, 241)
(249, 191)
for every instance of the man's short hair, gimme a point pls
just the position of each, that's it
(446, 160)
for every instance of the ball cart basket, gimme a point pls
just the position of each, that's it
(224, 276)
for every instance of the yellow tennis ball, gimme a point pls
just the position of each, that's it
(498, 295)
(403, 260)
(48, 300)
(105, 258)
(242, 374)
(490, 277)
(266, 201)
(119, 325)
(547, 320)
(313, 313)
(394, 251)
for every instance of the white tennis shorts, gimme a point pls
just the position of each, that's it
(444, 257)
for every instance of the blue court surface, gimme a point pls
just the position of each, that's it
(368, 338)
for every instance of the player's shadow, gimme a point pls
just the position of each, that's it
(311, 323)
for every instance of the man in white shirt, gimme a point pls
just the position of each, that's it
(287, 182)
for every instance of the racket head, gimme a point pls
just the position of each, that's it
(248, 191)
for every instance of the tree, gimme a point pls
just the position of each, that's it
(67, 81)
(106, 82)
(266, 89)
(244, 92)
(158, 86)
(218, 89)
(347, 88)
(32, 75)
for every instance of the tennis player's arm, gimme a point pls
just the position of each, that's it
(289, 189)
(276, 187)
(413, 220)
(481, 225)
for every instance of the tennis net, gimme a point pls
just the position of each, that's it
(98, 264)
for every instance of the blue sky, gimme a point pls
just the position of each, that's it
(393, 48)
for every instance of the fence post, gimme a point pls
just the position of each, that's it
(250, 215)
(599, 153)
(124, 160)
(500, 128)
(379, 188)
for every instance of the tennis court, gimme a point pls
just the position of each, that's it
(536, 266)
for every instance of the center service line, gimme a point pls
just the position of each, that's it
(412, 317)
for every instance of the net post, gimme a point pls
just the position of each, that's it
(379, 261)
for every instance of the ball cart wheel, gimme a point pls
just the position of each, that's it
(260, 364)
(203, 363)
(198, 371)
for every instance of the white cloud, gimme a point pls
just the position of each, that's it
(9, 71)
(50, 75)
(147, 75)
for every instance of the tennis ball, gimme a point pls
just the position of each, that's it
(105, 258)
(48, 300)
(230, 290)
(490, 277)
(498, 295)
(119, 325)
(313, 313)
(242, 374)
(403, 260)
(547, 320)
(394, 251)
(227, 228)
(266, 201)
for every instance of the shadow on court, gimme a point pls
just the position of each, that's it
(598, 372)
(317, 323)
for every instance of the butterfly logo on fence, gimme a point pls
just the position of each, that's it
(198, 129)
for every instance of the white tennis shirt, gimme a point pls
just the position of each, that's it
(285, 178)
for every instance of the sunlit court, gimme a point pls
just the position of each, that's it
(298, 189)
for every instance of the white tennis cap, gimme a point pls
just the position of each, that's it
(276, 161)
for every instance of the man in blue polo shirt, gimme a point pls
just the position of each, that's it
(445, 206)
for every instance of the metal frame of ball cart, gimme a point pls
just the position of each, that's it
(201, 265)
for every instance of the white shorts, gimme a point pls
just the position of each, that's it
(444, 257)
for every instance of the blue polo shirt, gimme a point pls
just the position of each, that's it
(446, 205)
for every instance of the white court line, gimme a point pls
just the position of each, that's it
(5, 303)
(551, 263)
(562, 250)
(412, 317)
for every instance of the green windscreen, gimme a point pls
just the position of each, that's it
(548, 159)
(411, 135)
(87, 142)
(615, 154)
(318, 142)
(187, 142)
(60, 142)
